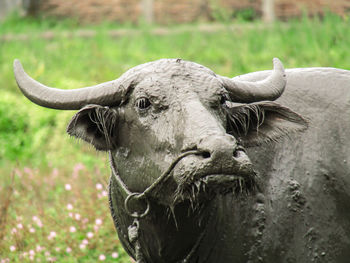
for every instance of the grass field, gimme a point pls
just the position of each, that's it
(53, 204)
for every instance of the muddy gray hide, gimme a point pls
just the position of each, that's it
(262, 187)
(301, 212)
(306, 178)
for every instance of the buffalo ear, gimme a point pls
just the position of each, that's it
(95, 124)
(257, 123)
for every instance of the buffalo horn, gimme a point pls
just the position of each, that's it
(105, 94)
(269, 88)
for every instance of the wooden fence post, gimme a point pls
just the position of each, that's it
(148, 11)
(268, 10)
(8, 6)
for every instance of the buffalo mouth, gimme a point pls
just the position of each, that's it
(229, 183)
(198, 180)
(208, 186)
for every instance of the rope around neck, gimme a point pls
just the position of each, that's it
(145, 194)
(133, 229)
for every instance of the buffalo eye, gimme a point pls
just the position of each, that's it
(143, 103)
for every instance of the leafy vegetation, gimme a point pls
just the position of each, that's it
(39, 162)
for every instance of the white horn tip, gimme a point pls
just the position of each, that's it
(277, 65)
(17, 65)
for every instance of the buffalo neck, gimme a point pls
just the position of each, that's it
(202, 234)
(165, 233)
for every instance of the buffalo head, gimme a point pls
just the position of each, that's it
(158, 110)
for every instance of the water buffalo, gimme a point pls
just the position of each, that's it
(183, 188)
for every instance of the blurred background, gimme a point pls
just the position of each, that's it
(169, 11)
(53, 188)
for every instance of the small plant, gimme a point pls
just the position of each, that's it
(245, 15)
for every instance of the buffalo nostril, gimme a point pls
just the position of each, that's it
(206, 154)
(237, 152)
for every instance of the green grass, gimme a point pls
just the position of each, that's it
(37, 158)
(51, 212)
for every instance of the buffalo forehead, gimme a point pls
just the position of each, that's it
(167, 65)
(175, 78)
